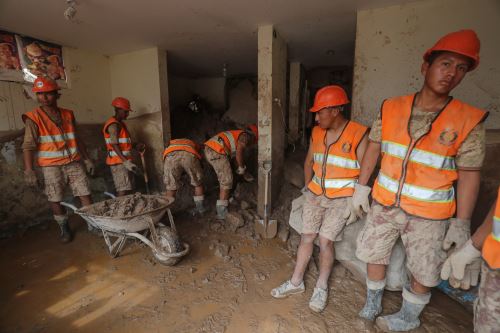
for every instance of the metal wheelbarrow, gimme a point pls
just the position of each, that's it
(145, 226)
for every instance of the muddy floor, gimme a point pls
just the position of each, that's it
(223, 285)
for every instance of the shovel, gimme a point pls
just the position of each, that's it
(265, 227)
(145, 173)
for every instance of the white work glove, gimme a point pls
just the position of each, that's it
(30, 178)
(458, 233)
(350, 213)
(462, 267)
(360, 200)
(89, 165)
(130, 166)
(241, 170)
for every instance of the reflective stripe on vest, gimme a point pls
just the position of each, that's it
(124, 142)
(491, 246)
(338, 161)
(56, 143)
(417, 175)
(336, 183)
(419, 156)
(185, 145)
(416, 192)
(336, 168)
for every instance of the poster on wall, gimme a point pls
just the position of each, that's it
(39, 58)
(10, 66)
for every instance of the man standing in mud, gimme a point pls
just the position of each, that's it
(331, 170)
(219, 150)
(50, 135)
(427, 141)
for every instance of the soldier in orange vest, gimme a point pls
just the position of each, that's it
(219, 150)
(428, 141)
(462, 269)
(119, 147)
(51, 140)
(331, 170)
(183, 155)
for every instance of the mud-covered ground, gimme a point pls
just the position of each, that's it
(223, 285)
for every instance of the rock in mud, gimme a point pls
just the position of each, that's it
(221, 250)
(234, 221)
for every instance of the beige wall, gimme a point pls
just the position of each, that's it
(390, 43)
(87, 94)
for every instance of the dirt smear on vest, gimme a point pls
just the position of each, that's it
(222, 285)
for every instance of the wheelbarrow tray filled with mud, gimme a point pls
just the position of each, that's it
(136, 216)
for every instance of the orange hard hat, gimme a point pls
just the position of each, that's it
(122, 103)
(255, 130)
(464, 42)
(329, 96)
(44, 84)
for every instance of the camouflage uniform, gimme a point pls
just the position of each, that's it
(175, 164)
(324, 216)
(122, 178)
(222, 167)
(487, 306)
(421, 238)
(56, 177)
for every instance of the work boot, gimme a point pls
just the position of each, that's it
(199, 202)
(221, 208)
(62, 221)
(407, 317)
(373, 304)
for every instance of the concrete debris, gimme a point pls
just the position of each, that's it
(221, 250)
(259, 276)
(283, 232)
(125, 206)
(244, 205)
(234, 221)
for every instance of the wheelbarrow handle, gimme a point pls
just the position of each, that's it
(70, 206)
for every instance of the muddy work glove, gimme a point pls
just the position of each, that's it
(360, 200)
(30, 178)
(350, 213)
(130, 166)
(458, 233)
(462, 267)
(89, 165)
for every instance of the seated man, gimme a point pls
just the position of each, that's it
(183, 155)
(331, 170)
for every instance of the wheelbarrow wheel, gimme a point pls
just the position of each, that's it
(168, 245)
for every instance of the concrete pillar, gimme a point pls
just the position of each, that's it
(272, 66)
(295, 90)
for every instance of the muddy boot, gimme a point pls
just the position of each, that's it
(373, 305)
(62, 221)
(221, 208)
(199, 202)
(407, 317)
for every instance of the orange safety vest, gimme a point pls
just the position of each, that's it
(56, 145)
(124, 142)
(336, 167)
(225, 142)
(491, 246)
(418, 175)
(182, 145)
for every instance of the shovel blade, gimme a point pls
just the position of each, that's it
(268, 230)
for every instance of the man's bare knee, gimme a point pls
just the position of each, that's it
(325, 243)
(307, 238)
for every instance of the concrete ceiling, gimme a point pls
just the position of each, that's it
(200, 35)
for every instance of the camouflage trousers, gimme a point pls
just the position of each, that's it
(324, 216)
(178, 162)
(122, 178)
(487, 306)
(58, 176)
(222, 168)
(422, 239)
